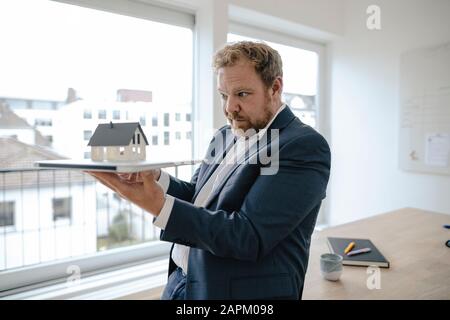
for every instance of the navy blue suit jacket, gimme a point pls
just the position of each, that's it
(251, 240)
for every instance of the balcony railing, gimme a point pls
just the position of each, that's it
(48, 216)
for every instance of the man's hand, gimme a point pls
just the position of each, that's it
(141, 189)
(136, 177)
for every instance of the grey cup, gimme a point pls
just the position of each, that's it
(331, 266)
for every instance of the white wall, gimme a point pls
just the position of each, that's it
(364, 100)
(323, 15)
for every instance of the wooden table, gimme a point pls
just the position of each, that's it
(412, 240)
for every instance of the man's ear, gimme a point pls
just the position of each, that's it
(277, 86)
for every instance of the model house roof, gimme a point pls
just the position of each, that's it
(115, 134)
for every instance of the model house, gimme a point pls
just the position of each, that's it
(118, 142)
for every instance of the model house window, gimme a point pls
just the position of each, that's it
(7, 213)
(87, 134)
(166, 119)
(87, 114)
(62, 208)
(116, 114)
(166, 138)
(138, 138)
(101, 114)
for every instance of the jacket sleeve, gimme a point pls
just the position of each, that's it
(273, 207)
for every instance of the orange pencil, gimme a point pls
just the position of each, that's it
(350, 246)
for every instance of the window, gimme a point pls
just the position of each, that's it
(49, 138)
(177, 135)
(116, 114)
(87, 134)
(166, 119)
(177, 116)
(142, 120)
(102, 114)
(87, 154)
(87, 114)
(7, 213)
(155, 120)
(166, 138)
(43, 122)
(155, 140)
(300, 76)
(62, 208)
(188, 117)
(96, 72)
(188, 135)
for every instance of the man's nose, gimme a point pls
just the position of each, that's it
(232, 105)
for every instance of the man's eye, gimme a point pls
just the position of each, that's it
(223, 96)
(243, 94)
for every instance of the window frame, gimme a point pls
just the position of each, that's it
(43, 274)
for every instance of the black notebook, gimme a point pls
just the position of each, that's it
(372, 258)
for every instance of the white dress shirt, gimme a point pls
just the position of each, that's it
(180, 253)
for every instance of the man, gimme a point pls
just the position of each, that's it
(239, 233)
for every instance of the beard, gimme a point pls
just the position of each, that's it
(244, 127)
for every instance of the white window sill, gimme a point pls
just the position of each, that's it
(143, 281)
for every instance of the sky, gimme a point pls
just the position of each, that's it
(47, 47)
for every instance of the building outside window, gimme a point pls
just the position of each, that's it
(116, 114)
(155, 140)
(87, 134)
(101, 114)
(87, 114)
(166, 138)
(166, 119)
(155, 120)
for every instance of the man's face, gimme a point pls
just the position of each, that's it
(247, 102)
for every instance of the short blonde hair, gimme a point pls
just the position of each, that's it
(266, 60)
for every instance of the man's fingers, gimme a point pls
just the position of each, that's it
(111, 180)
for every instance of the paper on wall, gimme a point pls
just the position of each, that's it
(437, 149)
